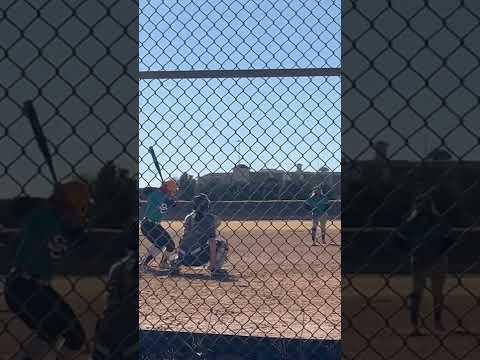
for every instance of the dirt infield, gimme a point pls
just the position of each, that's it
(380, 329)
(278, 286)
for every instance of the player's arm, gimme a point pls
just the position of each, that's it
(171, 202)
(75, 237)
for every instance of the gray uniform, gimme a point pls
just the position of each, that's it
(197, 233)
(194, 246)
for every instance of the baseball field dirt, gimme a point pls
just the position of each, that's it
(278, 285)
(380, 329)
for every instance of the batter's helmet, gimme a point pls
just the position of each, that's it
(169, 187)
(72, 197)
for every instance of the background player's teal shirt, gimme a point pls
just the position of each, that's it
(157, 205)
(318, 204)
(34, 255)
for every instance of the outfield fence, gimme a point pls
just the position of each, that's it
(253, 210)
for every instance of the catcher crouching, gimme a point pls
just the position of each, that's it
(117, 331)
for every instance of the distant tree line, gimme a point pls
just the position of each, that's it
(114, 193)
(268, 189)
(382, 194)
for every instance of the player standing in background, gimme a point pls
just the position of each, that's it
(199, 244)
(116, 332)
(158, 203)
(318, 202)
(48, 235)
(427, 238)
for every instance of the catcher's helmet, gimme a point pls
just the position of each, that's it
(201, 202)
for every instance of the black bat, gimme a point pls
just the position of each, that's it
(31, 114)
(155, 161)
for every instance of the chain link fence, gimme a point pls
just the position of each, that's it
(240, 100)
(77, 62)
(409, 139)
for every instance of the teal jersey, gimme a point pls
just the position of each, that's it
(43, 241)
(157, 206)
(318, 204)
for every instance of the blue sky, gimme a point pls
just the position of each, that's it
(201, 126)
(230, 34)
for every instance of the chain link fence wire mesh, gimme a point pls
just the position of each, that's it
(410, 127)
(240, 100)
(77, 61)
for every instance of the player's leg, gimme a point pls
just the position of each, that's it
(62, 326)
(159, 238)
(21, 296)
(47, 314)
(165, 241)
(152, 252)
(439, 276)
(323, 226)
(419, 280)
(74, 335)
(147, 229)
(197, 256)
(222, 252)
(315, 221)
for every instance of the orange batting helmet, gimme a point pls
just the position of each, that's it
(169, 187)
(72, 198)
